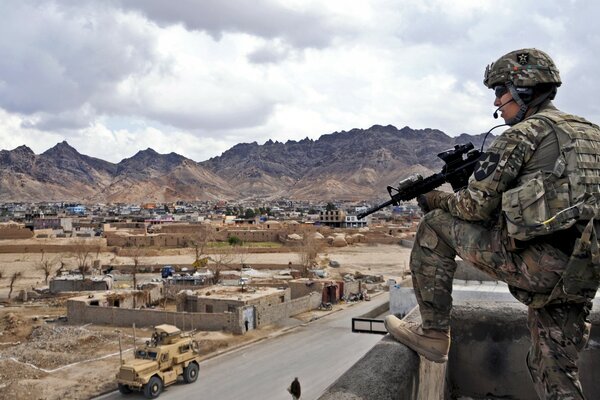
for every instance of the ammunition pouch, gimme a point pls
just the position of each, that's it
(531, 210)
(581, 277)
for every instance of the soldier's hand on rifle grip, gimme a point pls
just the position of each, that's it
(432, 200)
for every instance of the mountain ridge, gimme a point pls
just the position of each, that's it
(354, 165)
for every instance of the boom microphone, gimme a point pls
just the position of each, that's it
(501, 105)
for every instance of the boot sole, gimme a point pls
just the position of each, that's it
(434, 357)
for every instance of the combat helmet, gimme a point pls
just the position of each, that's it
(523, 68)
(524, 72)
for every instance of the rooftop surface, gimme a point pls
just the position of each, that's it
(236, 293)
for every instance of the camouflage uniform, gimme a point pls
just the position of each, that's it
(469, 224)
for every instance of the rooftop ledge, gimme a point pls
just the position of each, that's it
(490, 341)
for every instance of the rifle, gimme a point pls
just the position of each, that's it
(456, 171)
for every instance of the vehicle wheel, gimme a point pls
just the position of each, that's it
(124, 389)
(190, 373)
(153, 388)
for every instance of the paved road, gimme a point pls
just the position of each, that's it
(317, 353)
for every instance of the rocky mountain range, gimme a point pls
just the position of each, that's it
(353, 165)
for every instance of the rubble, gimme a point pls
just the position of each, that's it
(50, 347)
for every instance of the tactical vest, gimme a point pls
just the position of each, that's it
(549, 201)
(545, 202)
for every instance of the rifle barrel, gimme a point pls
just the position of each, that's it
(373, 209)
(456, 172)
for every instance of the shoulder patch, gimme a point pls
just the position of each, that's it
(486, 165)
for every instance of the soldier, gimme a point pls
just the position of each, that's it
(527, 217)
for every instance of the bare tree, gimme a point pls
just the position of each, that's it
(83, 256)
(135, 255)
(221, 259)
(61, 268)
(216, 271)
(200, 241)
(308, 252)
(14, 277)
(241, 253)
(98, 249)
(47, 266)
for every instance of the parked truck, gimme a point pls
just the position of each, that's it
(167, 271)
(169, 354)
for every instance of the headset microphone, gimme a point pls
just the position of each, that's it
(501, 105)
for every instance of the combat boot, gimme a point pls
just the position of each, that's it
(430, 343)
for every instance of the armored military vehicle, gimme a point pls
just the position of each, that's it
(168, 355)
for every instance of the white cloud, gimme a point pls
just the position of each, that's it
(196, 78)
(268, 19)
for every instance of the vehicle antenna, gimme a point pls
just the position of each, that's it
(120, 348)
(134, 338)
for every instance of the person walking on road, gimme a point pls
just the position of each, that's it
(294, 389)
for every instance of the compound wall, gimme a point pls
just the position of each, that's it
(80, 313)
(268, 314)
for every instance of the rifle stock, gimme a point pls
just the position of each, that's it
(459, 165)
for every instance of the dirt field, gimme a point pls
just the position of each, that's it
(42, 357)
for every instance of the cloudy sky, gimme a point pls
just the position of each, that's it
(196, 77)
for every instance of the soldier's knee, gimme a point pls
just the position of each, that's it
(435, 215)
(427, 225)
(426, 236)
(429, 234)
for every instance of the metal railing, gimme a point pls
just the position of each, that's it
(368, 325)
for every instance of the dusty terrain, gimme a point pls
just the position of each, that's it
(43, 357)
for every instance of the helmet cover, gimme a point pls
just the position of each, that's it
(524, 68)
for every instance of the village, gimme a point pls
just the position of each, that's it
(75, 283)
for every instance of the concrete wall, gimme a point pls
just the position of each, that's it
(80, 313)
(181, 236)
(188, 229)
(269, 314)
(256, 235)
(194, 303)
(282, 296)
(490, 341)
(267, 311)
(14, 232)
(303, 287)
(486, 361)
(389, 371)
(124, 225)
(381, 238)
(203, 304)
(161, 240)
(91, 245)
(78, 285)
(153, 292)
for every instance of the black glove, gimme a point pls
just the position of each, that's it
(432, 200)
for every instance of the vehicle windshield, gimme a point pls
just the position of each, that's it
(149, 355)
